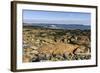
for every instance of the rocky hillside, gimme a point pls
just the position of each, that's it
(55, 44)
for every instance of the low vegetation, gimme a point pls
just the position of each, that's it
(41, 44)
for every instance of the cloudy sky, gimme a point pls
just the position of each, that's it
(52, 17)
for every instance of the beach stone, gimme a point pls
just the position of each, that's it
(35, 59)
(27, 49)
(34, 52)
(81, 49)
(60, 57)
(65, 55)
(41, 56)
(34, 47)
(48, 56)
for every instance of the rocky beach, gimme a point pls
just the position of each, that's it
(42, 44)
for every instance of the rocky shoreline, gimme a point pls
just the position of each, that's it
(41, 45)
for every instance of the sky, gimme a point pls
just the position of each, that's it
(56, 17)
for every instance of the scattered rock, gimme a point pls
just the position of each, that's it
(48, 56)
(35, 59)
(34, 52)
(65, 55)
(42, 56)
(53, 45)
(60, 57)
